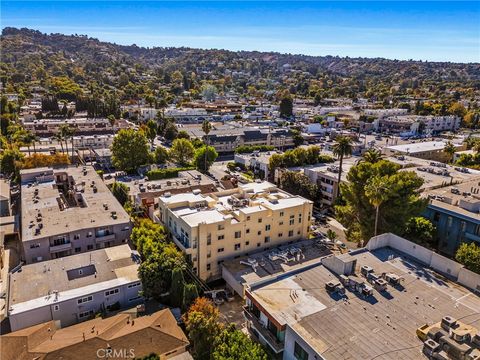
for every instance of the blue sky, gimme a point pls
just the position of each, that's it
(436, 31)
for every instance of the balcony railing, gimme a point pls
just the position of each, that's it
(276, 345)
(105, 237)
(61, 247)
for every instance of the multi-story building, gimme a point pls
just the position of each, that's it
(4, 197)
(85, 126)
(125, 335)
(414, 124)
(429, 150)
(67, 211)
(226, 224)
(74, 289)
(454, 210)
(258, 162)
(371, 303)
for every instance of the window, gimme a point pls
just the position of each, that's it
(292, 216)
(299, 353)
(259, 244)
(247, 231)
(89, 234)
(126, 228)
(280, 234)
(85, 314)
(282, 213)
(292, 221)
(89, 247)
(134, 285)
(220, 237)
(220, 262)
(209, 267)
(436, 216)
(221, 250)
(209, 254)
(260, 220)
(267, 239)
(85, 299)
(449, 221)
(237, 247)
(463, 226)
(78, 249)
(135, 298)
(221, 227)
(280, 223)
(34, 246)
(247, 243)
(76, 237)
(209, 239)
(290, 233)
(267, 227)
(248, 218)
(238, 234)
(80, 272)
(111, 292)
(259, 232)
(56, 307)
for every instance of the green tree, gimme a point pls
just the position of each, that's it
(201, 323)
(357, 212)
(286, 106)
(232, 344)
(28, 140)
(469, 255)
(182, 152)
(450, 150)
(177, 287)
(332, 235)
(205, 157)
(206, 128)
(297, 138)
(161, 155)
(182, 134)
(299, 184)
(376, 190)
(457, 109)
(9, 159)
(342, 148)
(129, 150)
(151, 131)
(120, 191)
(419, 230)
(190, 293)
(372, 156)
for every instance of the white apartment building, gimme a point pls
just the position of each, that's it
(412, 124)
(74, 289)
(67, 211)
(257, 161)
(227, 224)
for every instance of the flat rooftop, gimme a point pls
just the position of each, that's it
(421, 146)
(71, 277)
(80, 201)
(353, 327)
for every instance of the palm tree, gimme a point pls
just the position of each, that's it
(377, 191)
(206, 128)
(59, 137)
(28, 139)
(449, 149)
(65, 134)
(372, 156)
(341, 148)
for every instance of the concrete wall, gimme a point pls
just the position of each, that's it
(237, 286)
(437, 262)
(290, 338)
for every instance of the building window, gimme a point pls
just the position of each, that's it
(280, 234)
(248, 218)
(247, 231)
(221, 250)
(280, 223)
(209, 239)
(34, 246)
(259, 232)
(220, 262)
(292, 216)
(237, 247)
(259, 244)
(267, 227)
(299, 353)
(85, 314)
(56, 307)
(267, 239)
(260, 220)
(292, 221)
(78, 249)
(282, 213)
(221, 227)
(89, 234)
(89, 247)
(247, 243)
(220, 237)
(85, 299)
(209, 254)
(111, 292)
(436, 216)
(290, 233)
(238, 234)
(208, 266)
(76, 237)
(463, 226)
(449, 221)
(134, 285)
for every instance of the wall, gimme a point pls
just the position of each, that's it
(290, 338)
(437, 262)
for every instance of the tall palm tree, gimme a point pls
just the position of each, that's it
(372, 156)
(28, 139)
(449, 149)
(65, 134)
(206, 128)
(377, 191)
(341, 148)
(59, 137)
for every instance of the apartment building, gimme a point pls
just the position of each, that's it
(85, 126)
(75, 288)
(227, 224)
(365, 304)
(258, 162)
(454, 210)
(67, 211)
(121, 336)
(415, 124)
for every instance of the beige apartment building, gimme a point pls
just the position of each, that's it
(228, 224)
(68, 211)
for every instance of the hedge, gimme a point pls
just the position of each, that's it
(160, 174)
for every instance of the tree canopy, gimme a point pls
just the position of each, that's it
(469, 255)
(129, 150)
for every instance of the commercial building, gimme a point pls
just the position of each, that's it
(122, 336)
(74, 288)
(414, 124)
(454, 210)
(84, 126)
(366, 304)
(429, 150)
(227, 224)
(67, 211)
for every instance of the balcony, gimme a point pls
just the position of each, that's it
(61, 247)
(473, 237)
(181, 243)
(252, 320)
(104, 237)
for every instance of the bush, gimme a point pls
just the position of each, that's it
(160, 174)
